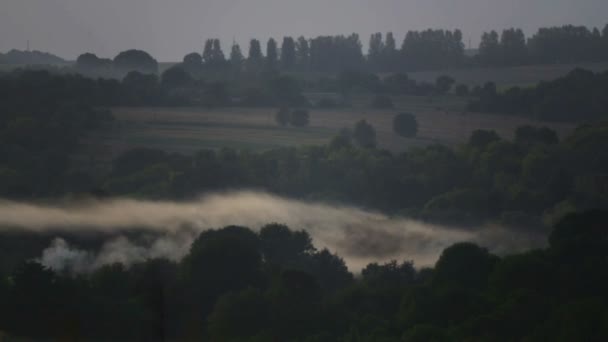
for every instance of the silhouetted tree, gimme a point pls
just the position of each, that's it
(255, 57)
(136, 60)
(364, 134)
(288, 53)
(236, 57)
(282, 116)
(299, 118)
(303, 53)
(405, 125)
(271, 54)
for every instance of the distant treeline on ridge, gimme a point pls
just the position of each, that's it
(419, 50)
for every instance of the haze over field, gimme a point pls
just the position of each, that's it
(170, 29)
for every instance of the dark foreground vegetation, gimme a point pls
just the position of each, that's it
(237, 285)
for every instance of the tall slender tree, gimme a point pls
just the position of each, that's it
(376, 49)
(272, 54)
(236, 57)
(255, 57)
(303, 53)
(288, 53)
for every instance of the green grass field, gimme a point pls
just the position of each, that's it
(188, 130)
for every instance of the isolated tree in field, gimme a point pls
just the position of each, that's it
(271, 54)
(136, 60)
(288, 53)
(236, 57)
(405, 125)
(364, 134)
(382, 102)
(282, 117)
(299, 118)
(444, 84)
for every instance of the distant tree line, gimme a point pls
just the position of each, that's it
(30, 57)
(122, 64)
(239, 285)
(579, 96)
(419, 50)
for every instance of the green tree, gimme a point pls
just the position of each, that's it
(299, 118)
(288, 53)
(255, 57)
(236, 57)
(513, 47)
(376, 51)
(136, 60)
(282, 117)
(405, 125)
(176, 77)
(364, 134)
(303, 53)
(271, 54)
(489, 48)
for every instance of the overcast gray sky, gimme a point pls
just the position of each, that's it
(169, 29)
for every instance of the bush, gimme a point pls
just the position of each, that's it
(405, 125)
(364, 134)
(282, 117)
(382, 102)
(299, 118)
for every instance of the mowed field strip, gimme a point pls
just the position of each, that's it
(187, 130)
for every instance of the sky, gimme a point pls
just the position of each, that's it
(169, 29)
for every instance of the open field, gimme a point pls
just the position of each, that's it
(188, 130)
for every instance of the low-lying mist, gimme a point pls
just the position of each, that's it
(359, 236)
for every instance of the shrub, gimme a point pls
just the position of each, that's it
(405, 125)
(364, 134)
(282, 117)
(299, 118)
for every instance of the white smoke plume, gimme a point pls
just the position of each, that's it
(359, 236)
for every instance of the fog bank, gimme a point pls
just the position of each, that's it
(359, 236)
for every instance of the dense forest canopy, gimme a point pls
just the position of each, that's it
(240, 285)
